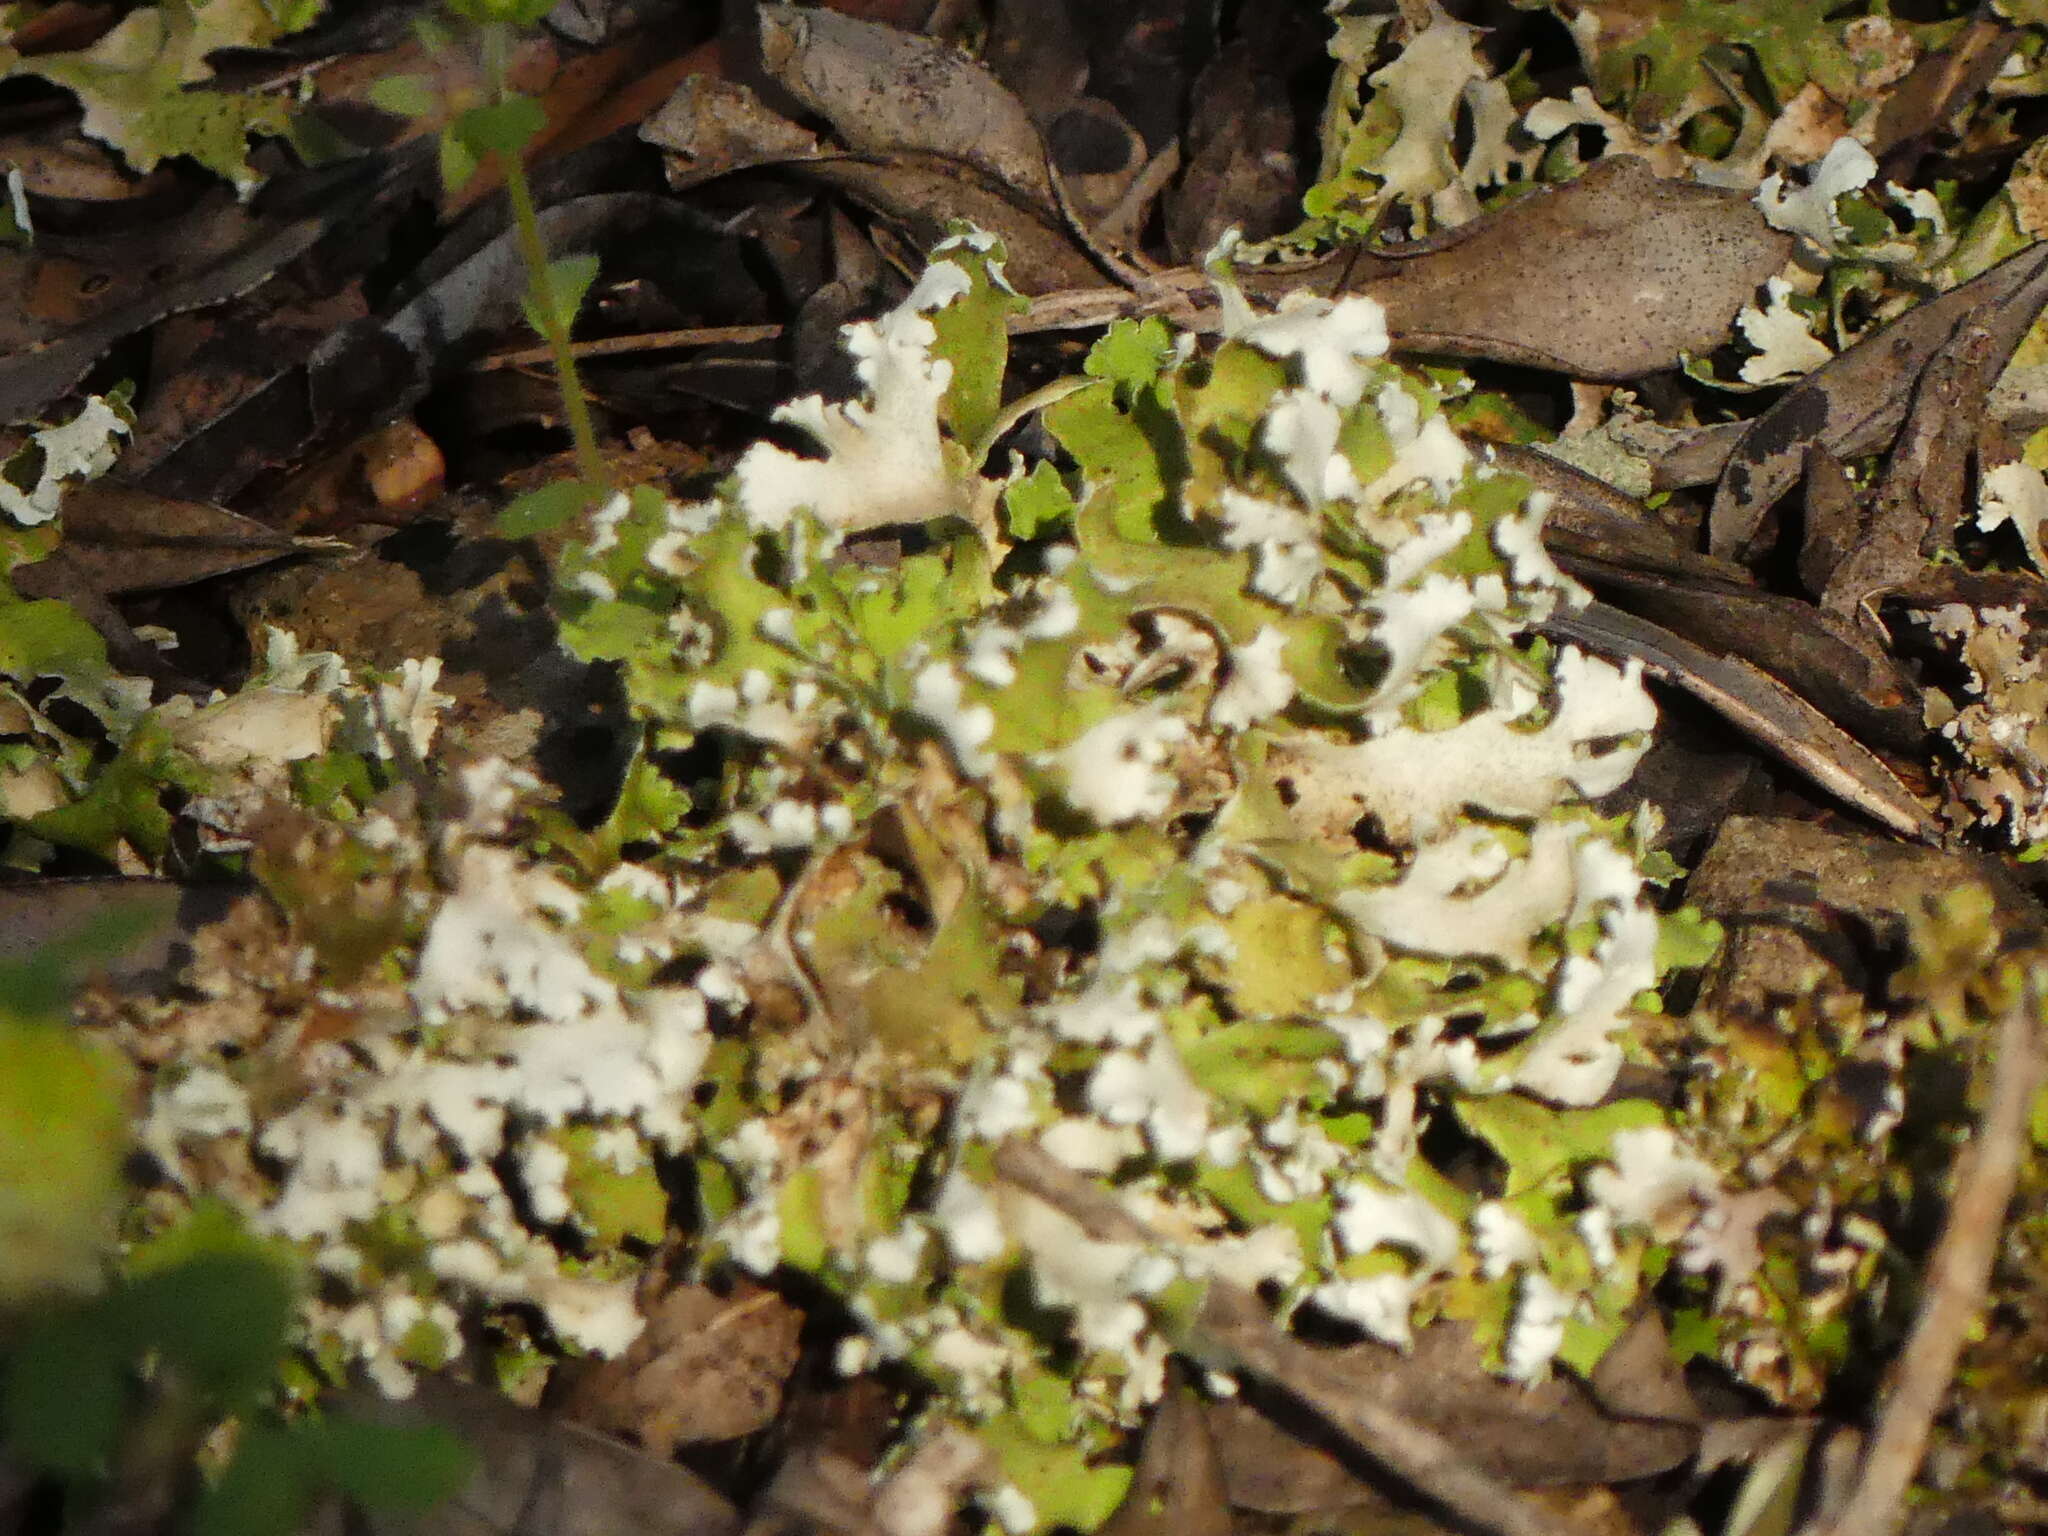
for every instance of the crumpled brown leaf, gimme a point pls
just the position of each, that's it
(707, 1367)
(1858, 402)
(536, 1475)
(1762, 707)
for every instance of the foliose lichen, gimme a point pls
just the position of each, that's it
(1198, 804)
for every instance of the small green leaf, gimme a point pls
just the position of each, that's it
(267, 1488)
(544, 507)
(565, 284)
(801, 1206)
(405, 95)
(63, 1133)
(514, 13)
(504, 127)
(1038, 503)
(63, 1389)
(458, 162)
(213, 1301)
(1132, 354)
(971, 335)
(390, 1467)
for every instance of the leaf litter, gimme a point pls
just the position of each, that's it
(1211, 802)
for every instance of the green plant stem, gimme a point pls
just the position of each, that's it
(590, 465)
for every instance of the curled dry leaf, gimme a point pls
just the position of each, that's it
(1761, 706)
(125, 539)
(1774, 882)
(1856, 403)
(1826, 660)
(1920, 499)
(1609, 277)
(882, 89)
(707, 1367)
(1177, 1488)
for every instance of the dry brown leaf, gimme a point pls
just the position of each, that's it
(1858, 402)
(883, 90)
(536, 1475)
(1177, 1488)
(1765, 709)
(706, 1367)
(1778, 884)
(1608, 277)
(1549, 1434)
(125, 539)
(1920, 499)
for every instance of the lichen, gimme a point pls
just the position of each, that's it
(1200, 805)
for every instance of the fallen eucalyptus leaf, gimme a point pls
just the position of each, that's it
(1177, 1488)
(1776, 717)
(217, 252)
(1856, 403)
(926, 193)
(126, 539)
(537, 1475)
(1832, 518)
(1553, 1433)
(707, 1367)
(1608, 277)
(1829, 662)
(1588, 516)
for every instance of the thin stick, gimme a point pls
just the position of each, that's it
(620, 346)
(1232, 1331)
(1958, 1275)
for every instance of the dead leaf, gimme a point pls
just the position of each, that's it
(1857, 402)
(1239, 167)
(215, 253)
(713, 126)
(1608, 277)
(926, 193)
(1824, 659)
(706, 1367)
(884, 90)
(1933, 91)
(1587, 516)
(1696, 457)
(1777, 883)
(1177, 1488)
(37, 913)
(1549, 1434)
(125, 539)
(1913, 515)
(1761, 706)
(1832, 517)
(536, 1475)
(1638, 1379)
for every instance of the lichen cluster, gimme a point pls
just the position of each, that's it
(1198, 804)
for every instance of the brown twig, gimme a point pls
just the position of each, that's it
(646, 341)
(1233, 1332)
(1958, 1274)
